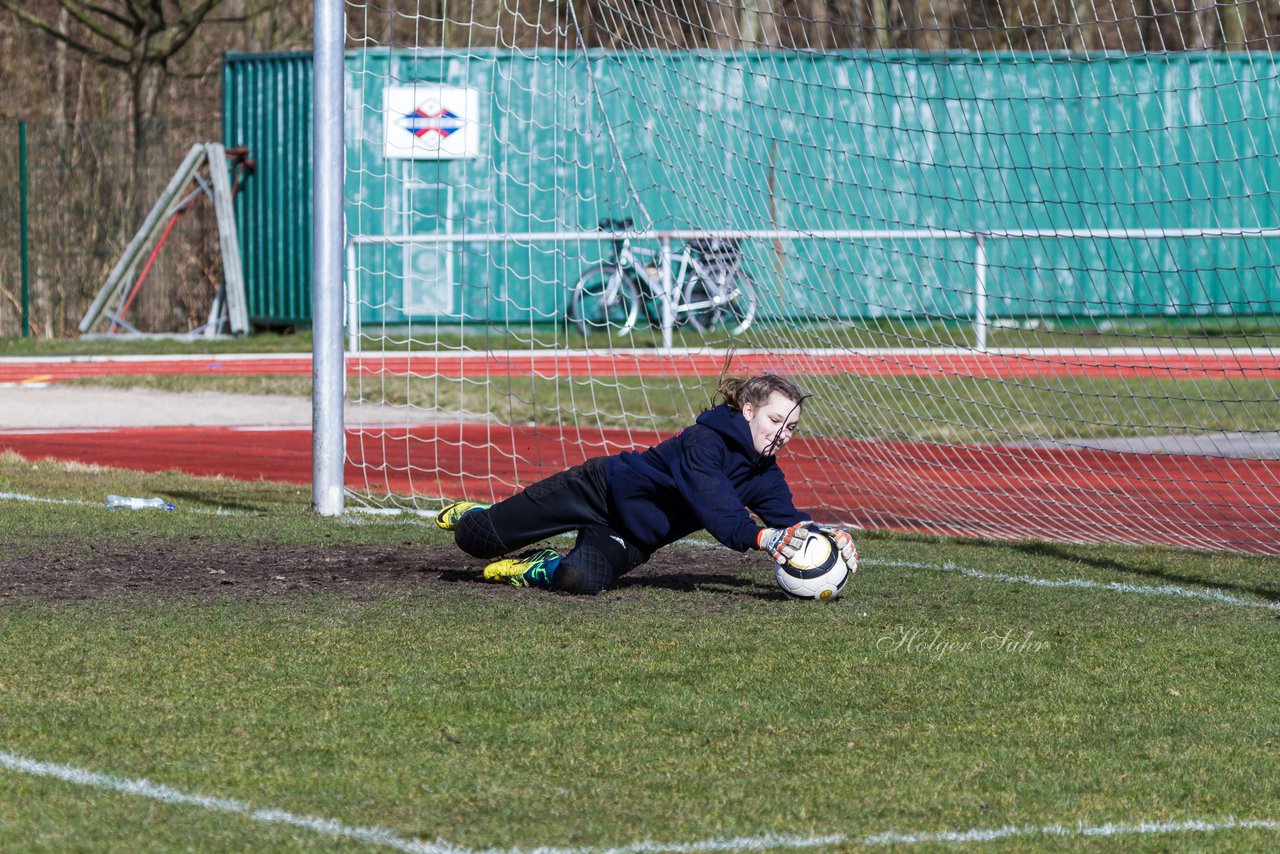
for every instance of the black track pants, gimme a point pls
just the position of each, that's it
(573, 500)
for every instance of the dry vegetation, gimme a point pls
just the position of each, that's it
(108, 112)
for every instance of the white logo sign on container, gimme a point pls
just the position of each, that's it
(431, 121)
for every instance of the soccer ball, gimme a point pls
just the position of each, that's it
(816, 571)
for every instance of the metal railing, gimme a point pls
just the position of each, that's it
(979, 238)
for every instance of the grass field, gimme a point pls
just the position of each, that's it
(241, 675)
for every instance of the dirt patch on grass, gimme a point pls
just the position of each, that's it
(191, 568)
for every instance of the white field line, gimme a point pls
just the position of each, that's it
(79, 502)
(394, 511)
(1069, 830)
(143, 358)
(378, 516)
(167, 795)
(44, 431)
(389, 839)
(1067, 352)
(1170, 590)
(18, 496)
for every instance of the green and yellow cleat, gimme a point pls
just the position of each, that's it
(447, 518)
(531, 569)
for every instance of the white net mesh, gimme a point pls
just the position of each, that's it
(1031, 284)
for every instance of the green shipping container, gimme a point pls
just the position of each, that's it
(266, 106)
(802, 142)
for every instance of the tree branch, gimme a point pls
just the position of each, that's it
(174, 36)
(44, 26)
(109, 14)
(84, 15)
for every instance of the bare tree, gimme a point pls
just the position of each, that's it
(135, 37)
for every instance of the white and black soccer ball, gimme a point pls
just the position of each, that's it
(816, 571)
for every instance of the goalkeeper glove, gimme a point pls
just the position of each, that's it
(782, 543)
(845, 544)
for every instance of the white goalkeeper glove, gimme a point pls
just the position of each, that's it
(782, 543)
(848, 548)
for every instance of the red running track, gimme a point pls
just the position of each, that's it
(1201, 363)
(999, 492)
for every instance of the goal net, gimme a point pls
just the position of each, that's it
(1027, 268)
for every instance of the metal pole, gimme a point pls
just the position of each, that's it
(980, 295)
(328, 371)
(26, 276)
(353, 302)
(668, 313)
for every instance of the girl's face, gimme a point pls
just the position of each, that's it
(772, 423)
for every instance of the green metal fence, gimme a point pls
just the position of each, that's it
(71, 197)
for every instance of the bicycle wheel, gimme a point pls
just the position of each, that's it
(605, 299)
(708, 306)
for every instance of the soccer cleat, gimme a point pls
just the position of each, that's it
(447, 518)
(531, 569)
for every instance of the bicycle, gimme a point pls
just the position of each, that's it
(704, 283)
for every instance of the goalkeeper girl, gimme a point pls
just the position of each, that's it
(625, 507)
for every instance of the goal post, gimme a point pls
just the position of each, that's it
(328, 364)
(1033, 287)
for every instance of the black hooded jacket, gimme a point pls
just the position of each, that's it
(707, 476)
